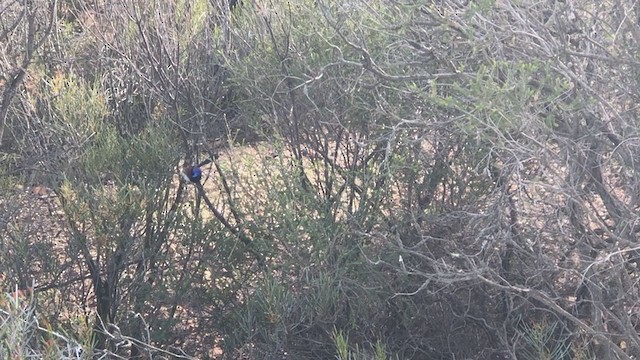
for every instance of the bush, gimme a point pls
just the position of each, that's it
(436, 180)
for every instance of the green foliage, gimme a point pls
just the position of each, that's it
(542, 341)
(496, 100)
(305, 59)
(346, 353)
(190, 19)
(22, 336)
(483, 6)
(18, 328)
(264, 318)
(80, 109)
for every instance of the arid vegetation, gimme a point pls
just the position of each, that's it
(389, 179)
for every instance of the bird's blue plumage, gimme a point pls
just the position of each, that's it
(196, 173)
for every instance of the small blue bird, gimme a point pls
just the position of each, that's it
(193, 173)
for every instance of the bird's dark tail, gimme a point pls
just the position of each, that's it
(205, 162)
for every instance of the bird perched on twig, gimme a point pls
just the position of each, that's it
(193, 173)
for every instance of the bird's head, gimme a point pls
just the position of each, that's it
(195, 174)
